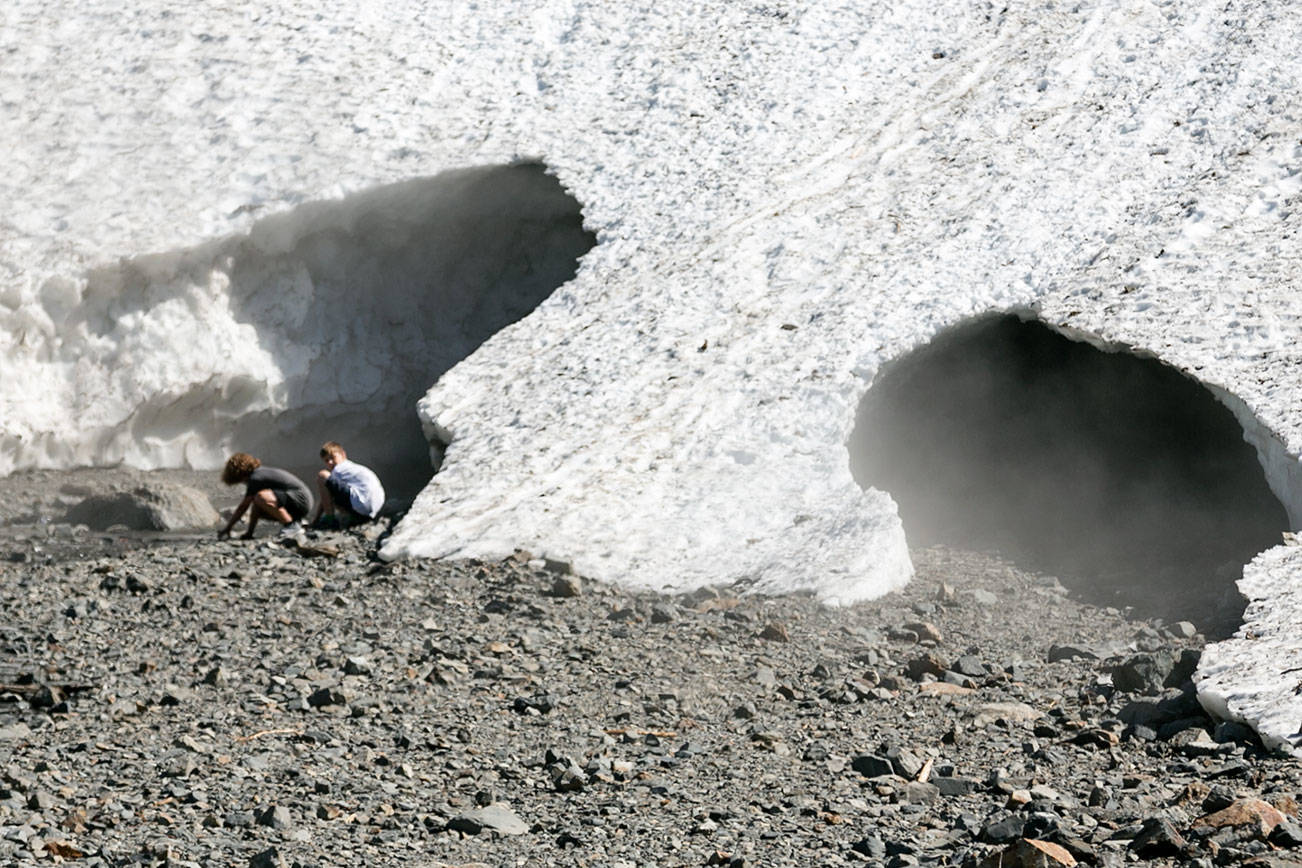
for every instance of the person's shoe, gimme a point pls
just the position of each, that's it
(326, 522)
(293, 529)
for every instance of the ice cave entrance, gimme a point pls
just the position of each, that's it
(1123, 477)
(405, 281)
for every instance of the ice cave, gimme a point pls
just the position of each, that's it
(403, 282)
(1122, 476)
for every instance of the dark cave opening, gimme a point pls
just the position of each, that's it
(1120, 475)
(401, 283)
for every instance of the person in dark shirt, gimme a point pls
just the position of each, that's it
(272, 493)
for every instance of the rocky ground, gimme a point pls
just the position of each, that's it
(169, 699)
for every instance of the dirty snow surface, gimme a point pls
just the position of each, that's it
(214, 210)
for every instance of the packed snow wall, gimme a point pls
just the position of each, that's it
(328, 321)
(786, 199)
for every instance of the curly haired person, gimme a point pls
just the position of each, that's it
(269, 492)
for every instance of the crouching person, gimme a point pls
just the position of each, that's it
(350, 493)
(269, 493)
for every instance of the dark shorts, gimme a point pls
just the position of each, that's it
(293, 502)
(342, 500)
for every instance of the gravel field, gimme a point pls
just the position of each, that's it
(168, 699)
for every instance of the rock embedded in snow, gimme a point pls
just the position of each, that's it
(207, 249)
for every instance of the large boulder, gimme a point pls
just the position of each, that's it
(156, 507)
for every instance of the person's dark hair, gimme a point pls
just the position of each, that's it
(239, 467)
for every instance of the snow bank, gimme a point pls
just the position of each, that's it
(1254, 677)
(785, 197)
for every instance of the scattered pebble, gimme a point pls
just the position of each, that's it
(179, 700)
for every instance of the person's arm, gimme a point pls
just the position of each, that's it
(253, 521)
(239, 514)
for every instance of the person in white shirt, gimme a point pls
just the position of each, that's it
(350, 492)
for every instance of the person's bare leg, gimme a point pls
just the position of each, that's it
(264, 505)
(325, 503)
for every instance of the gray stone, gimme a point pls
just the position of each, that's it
(1158, 839)
(1142, 712)
(14, 732)
(919, 793)
(566, 776)
(324, 696)
(925, 631)
(557, 566)
(1144, 673)
(277, 817)
(238, 819)
(969, 665)
(956, 786)
(872, 847)
(1235, 768)
(871, 765)
(1143, 733)
(1071, 652)
(495, 818)
(566, 587)
(926, 664)
(1218, 798)
(1233, 731)
(539, 703)
(160, 506)
(269, 858)
(1174, 728)
(663, 614)
(357, 666)
(815, 752)
(175, 694)
(1195, 742)
(40, 801)
(1003, 830)
(1012, 712)
(1287, 834)
(905, 763)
